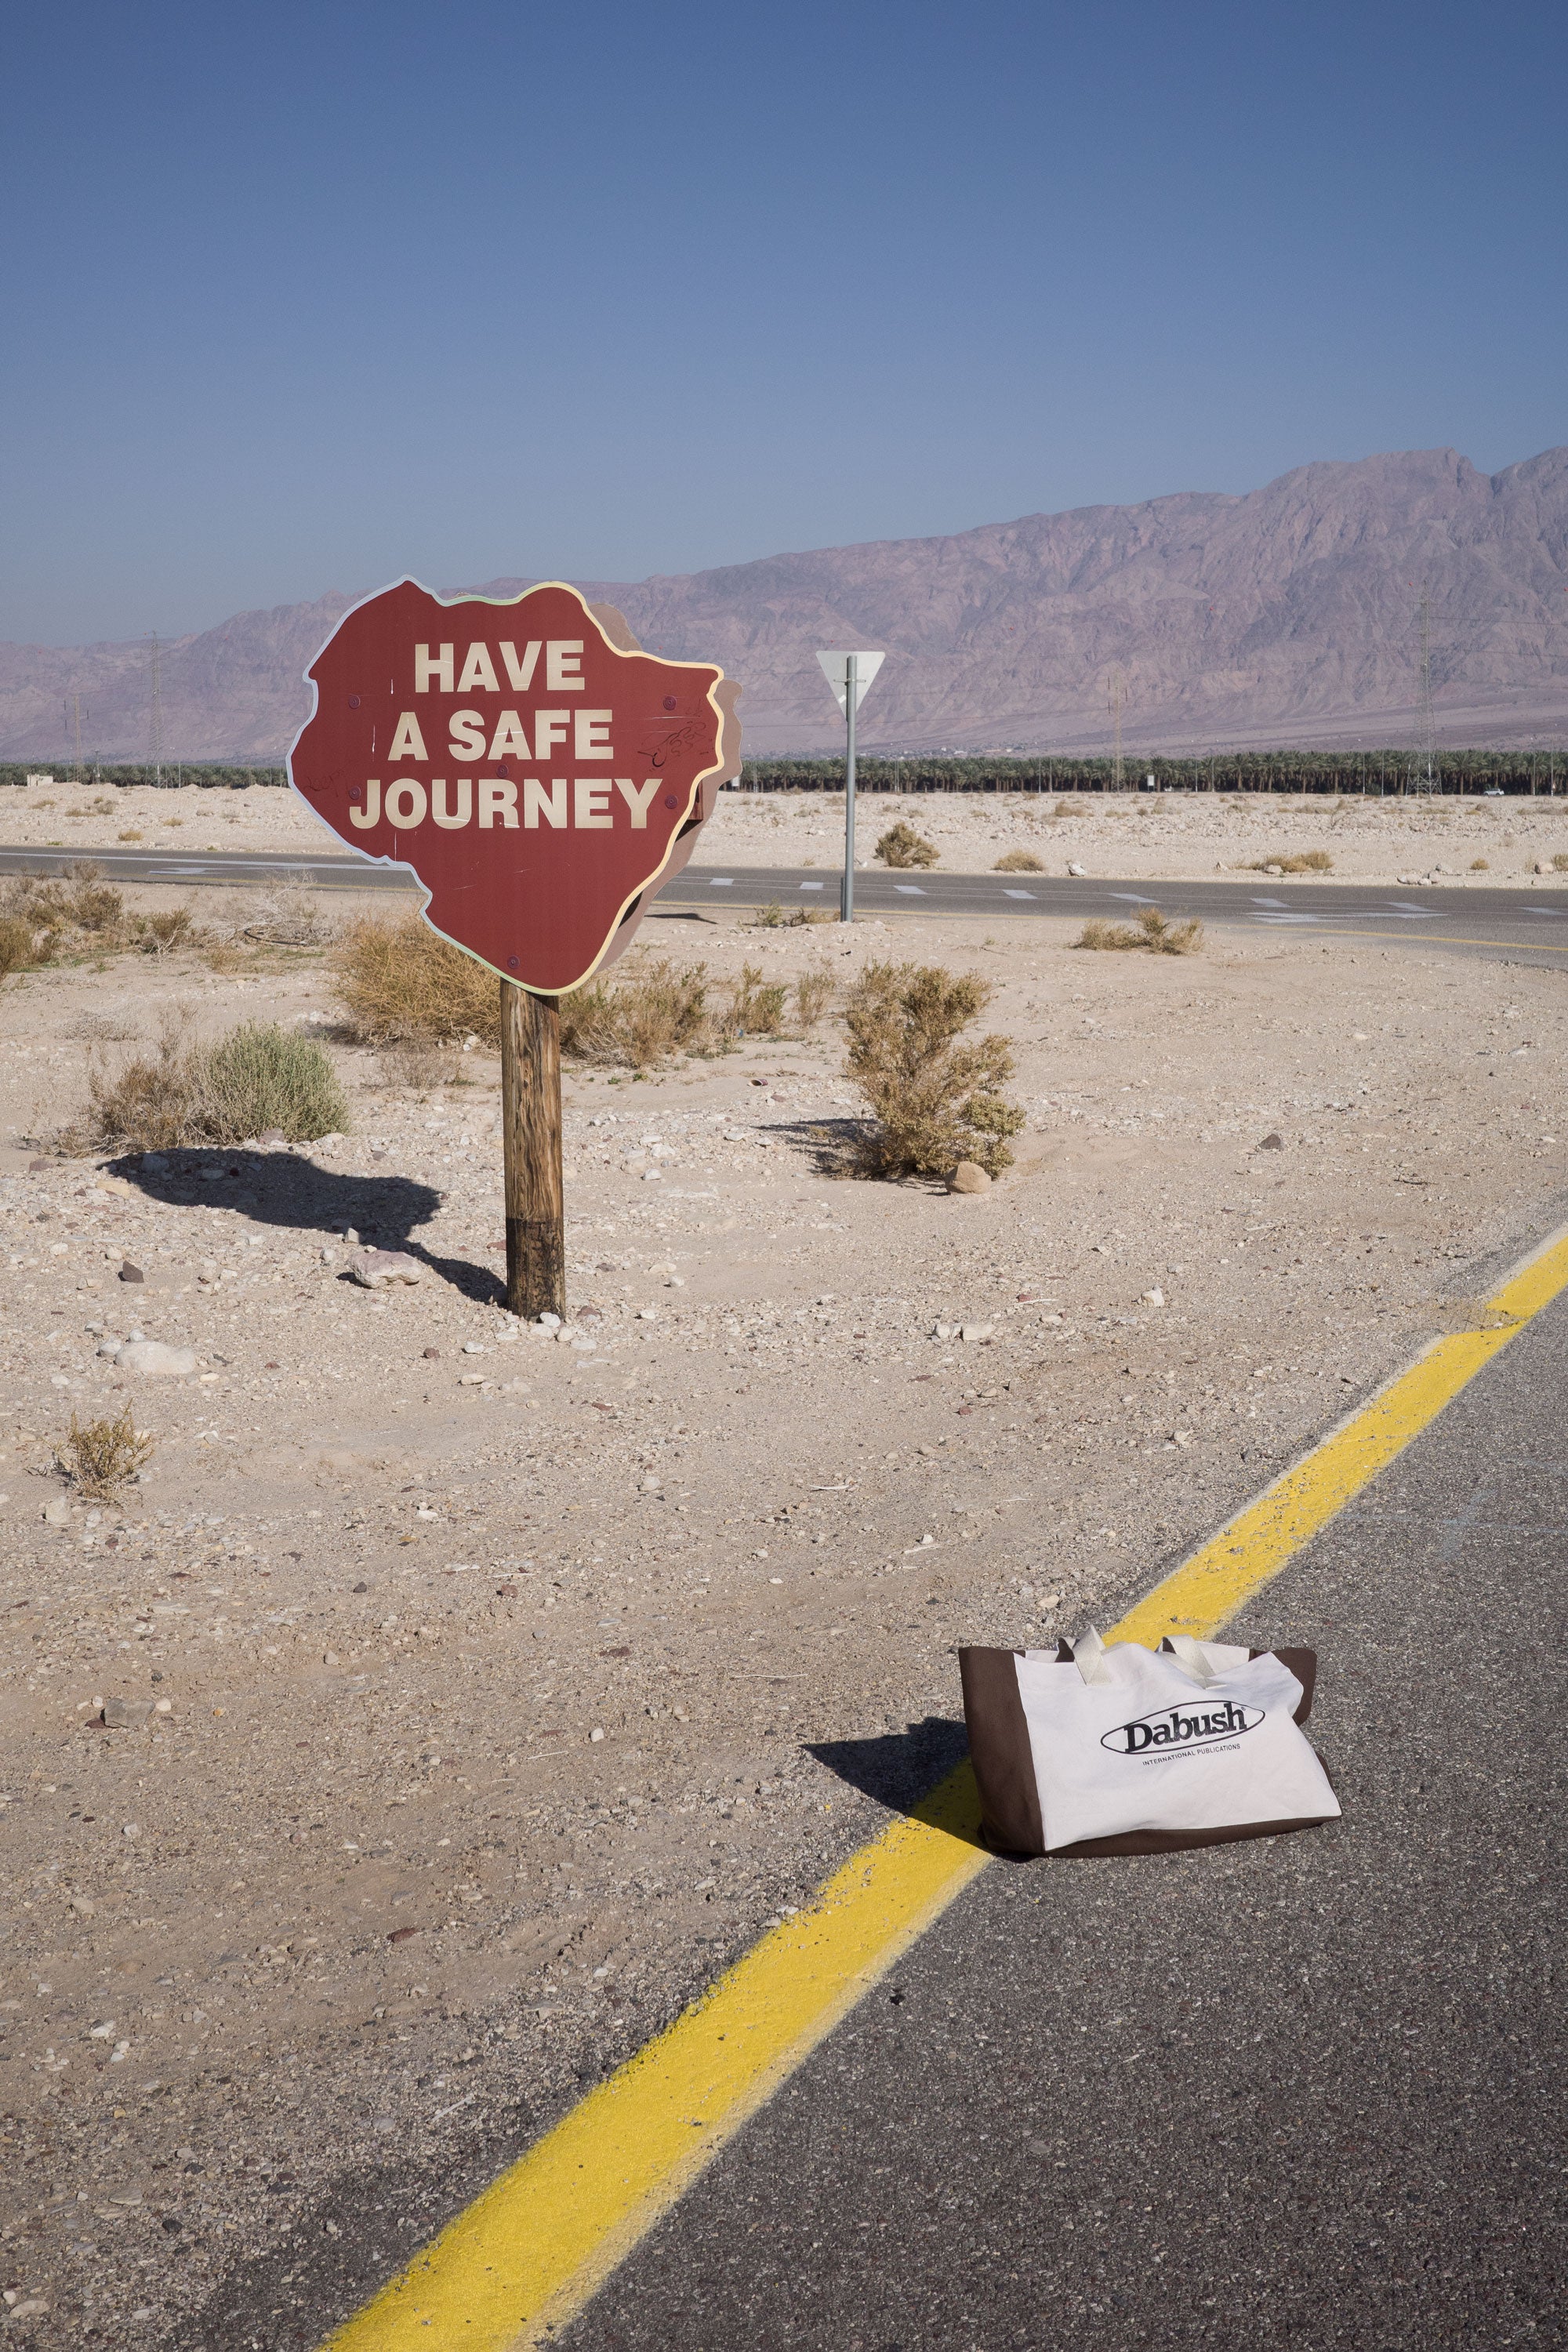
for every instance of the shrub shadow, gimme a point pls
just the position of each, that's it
(285, 1190)
(897, 1767)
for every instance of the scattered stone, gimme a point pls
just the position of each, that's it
(151, 1357)
(550, 1322)
(967, 1178)
(1080, 871)
(378, 1269)
(595, 1734)
(974, 1333)
(56, 1511)
(273, 1135)
(124, 1714)
(1272, 1143)
(129, 1273)
(473, 1348)
(1155, 1297)
(431, 1354)
(83, 1904)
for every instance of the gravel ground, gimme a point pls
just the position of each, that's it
(511, 1683)
(1178, 837)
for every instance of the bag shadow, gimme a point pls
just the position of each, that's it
(896, 1769)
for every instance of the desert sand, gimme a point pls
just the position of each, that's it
(511, 1684)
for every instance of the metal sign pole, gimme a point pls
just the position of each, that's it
(847, 892)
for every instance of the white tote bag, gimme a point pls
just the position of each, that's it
(1090, 1751)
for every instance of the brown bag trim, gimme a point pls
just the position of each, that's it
(999, 1751)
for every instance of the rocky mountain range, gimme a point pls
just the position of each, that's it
(1289, 615)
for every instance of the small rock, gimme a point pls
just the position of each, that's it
(84, 1904)
(1152, 1298)
(550, 1322)
(473, 1347)
(56, 1511)
(431, 1354)
(151, 1356)
(129, 1273)
(330, 1658)
(1544, 866)
(163, 1705)
(967, 1178)
(595, 1733)
(124, 1714)
(1078, 870)
(648, 1314)
(1272, 1143)
(377, 1269)
(973, 1333)
(273, 1135)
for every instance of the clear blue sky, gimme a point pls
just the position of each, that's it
(303, 297)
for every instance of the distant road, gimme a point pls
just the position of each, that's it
(1515, 923)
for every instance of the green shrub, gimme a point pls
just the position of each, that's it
(257, 1077)
(934, 1101)
(261, 1077)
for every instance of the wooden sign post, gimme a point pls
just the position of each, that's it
(434, 751)
(531, 1131)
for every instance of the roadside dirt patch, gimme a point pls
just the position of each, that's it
(513, 1683)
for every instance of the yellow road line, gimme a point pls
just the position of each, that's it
(519, 2262)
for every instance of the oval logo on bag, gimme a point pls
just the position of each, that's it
(1180, 1727)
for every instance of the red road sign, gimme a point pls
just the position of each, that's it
(540, 774)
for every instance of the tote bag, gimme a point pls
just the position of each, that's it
(1091, 1749)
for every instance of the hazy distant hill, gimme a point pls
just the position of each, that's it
(1288, 616)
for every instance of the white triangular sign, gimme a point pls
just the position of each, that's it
(836, 670)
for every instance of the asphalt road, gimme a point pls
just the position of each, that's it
(1306, 2092)
(1528, 924)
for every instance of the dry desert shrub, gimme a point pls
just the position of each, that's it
(1560, 862)
(100, 1457)
(256, 1079)
(773, 917)
(17, 949)
(1303, 861)
(658, 1010)
(1019, 861)
(402, 983)
(1152, 930)
(92, 903)
(287, 918)
(935, 1101)
(813, 995)
(156, 934)
(902, 846)
(756, 1006)
(1480, 865)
